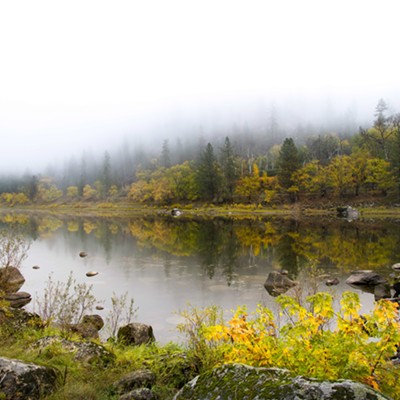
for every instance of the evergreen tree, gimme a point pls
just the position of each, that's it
(288, 162)
(229, 169)
(106, 173)
(208, 174)
(165, 159)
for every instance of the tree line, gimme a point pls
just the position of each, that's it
(326, 165)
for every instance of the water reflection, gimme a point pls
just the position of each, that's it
(165, 262)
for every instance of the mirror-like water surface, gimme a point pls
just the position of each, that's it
(164, 263)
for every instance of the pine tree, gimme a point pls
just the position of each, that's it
(208, 174)
(229, 170)
(288, 162)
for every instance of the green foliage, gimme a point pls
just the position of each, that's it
(315, 341)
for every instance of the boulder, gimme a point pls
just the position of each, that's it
(16, 319)
(11, 279)
(238, 381)
(88, 352)
(366, 278)
(332, 282)
(135, 334)
(382, 291)
(396, 267)
(95, 319)
(83, 254)
(347, 212)
(18, 299)
(278, 283)
(25, 381)
(139, 394)
(143, 378)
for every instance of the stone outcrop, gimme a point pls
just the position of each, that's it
(18, 299)
(278, 283)
(89, 327)
(11, 279)
(25, 381)
(238, 381)
(83, 351)
(16, 319)
(135, 334)
(143, 378)
(371, 282)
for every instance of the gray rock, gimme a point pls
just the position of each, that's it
(366, 279)
(396, 267)
(136, 334)
(143, 378)
(25, 381)
(382, 291)
(139, 394)
(238, 381)
(11, 279)
(332, 282)
(18, 299)
(278, 283)
(95, 319)
(83, 351)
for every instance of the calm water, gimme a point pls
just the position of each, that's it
(164, 263)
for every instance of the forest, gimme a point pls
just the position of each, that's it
(243, 168)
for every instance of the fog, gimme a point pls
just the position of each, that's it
(89, 76)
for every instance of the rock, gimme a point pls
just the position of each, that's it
(176, 212)
(86, 331)
(36, 267)
(83, 254)
(99, 308)
(17, 319)
(11, 279)
(278, 283)
(139, 394)
(238, 381)
(347, 212)
(396, 288)
(95, 319)
(332, 282)
(89, 327)
(25, 381)
(382, 291)
(143, 378)
(91, 273)
(88, 352)
(396, 267)
(18, 299)
(366, 279)
(135, 334)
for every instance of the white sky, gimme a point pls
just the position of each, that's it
(82, 74)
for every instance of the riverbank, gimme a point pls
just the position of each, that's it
(129, 209)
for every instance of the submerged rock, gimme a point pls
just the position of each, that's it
(25, 381)
(238, 381)
(278, 283)
(366, 278)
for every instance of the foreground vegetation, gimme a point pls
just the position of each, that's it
(308, 338)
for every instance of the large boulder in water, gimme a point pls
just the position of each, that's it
(25, 381)
(11, 279)
(366, 278)
(238, 381)
(278, 283)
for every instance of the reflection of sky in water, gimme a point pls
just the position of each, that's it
(160, 283)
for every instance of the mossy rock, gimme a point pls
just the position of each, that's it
(238, 381)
